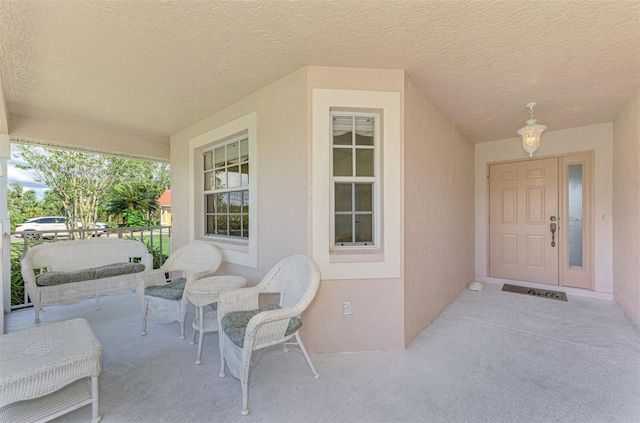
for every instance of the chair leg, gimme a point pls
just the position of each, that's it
(183, 315)
(37, 309)
(306, 356)
(144, 317)
(98, 302)
(245, 398)
(222, 361)
(193, 340)
(200, 338)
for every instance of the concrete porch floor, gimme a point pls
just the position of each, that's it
(490, 357)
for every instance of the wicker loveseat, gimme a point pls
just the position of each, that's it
(68, 272)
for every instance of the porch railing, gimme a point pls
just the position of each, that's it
(157, 239)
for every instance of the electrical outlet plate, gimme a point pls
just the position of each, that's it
(346, 307)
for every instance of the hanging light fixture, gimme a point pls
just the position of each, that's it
(531, 132)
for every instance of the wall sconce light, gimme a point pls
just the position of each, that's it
(531, 132)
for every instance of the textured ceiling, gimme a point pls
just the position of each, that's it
(157, 67)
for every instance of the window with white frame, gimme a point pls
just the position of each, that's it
(226, 189)
(355, 179)
(223, 206)
(364, 177)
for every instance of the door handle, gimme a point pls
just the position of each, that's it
(553, 228)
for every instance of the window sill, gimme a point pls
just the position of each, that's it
(228, 244)
(356, 255)
(236, 252)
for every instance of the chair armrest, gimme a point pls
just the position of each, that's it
(147, 260)
(268, 327)
(29, 277)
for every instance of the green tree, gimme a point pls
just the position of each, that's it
(15, 210)
(79, 180)
(21, 204)
(52, 205)
(85, 186)
(135, 200)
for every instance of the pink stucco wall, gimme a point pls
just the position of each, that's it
(376, 322)
(626, 210)
(438, 210)
(388, 313)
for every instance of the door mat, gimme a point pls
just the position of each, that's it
(544, 293)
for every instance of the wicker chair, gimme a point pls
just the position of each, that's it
(160, 291)
(245, 328)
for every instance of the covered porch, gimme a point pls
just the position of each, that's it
(490, 356)
(154, 81)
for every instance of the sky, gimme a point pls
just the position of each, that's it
(23, 177)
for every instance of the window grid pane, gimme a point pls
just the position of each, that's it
(227, 209)
(365, 126)
(354, 163)
(353, 214)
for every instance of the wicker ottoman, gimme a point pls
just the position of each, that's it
(48, 371)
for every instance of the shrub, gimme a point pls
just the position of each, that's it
(17, 283)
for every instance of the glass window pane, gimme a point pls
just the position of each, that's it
(235, 225)
(209, 181)
(364, 130)
(222, 225)
(343, 197)
(233, 153)
(245, 226)
(364, 162)
(210, 225)
(244, 170)
(343, 228)
(227, 166)
(364, 197)
(342, 130)
(208, 160)
(364, 228)
(210, 200)
(342, 138)
(575, 216)
(342, 162)
(221, 179)
(235, 201)
(219, 156)
(244, 150)
(233, 177)
(222, 202)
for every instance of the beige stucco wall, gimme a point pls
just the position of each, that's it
(283, 143)
(594, 137)
(376, 322)
(438, 210)
(626, 210)
(281, 165)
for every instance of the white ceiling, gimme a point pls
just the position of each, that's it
(155, 68)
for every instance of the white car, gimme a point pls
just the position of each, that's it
(52, 223)
(46, 223)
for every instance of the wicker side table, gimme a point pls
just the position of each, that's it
(45, 372)
(205, 292)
